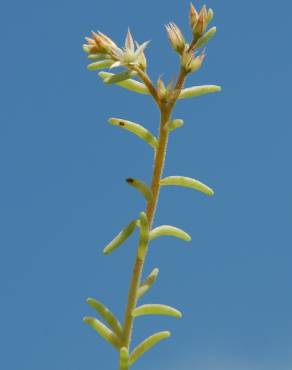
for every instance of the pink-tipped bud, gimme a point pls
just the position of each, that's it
(176, 38)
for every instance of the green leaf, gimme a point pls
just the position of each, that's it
(186, 182)
(107, 315)
(194, 91)
(136, 129)
(103, 331)
(167, 230)
(142, 188)
(206, 37)
(144, 236)
(119, 77)
(99, 65)
(130, 84)
(86, 48)
(173, 125)
(124, 358)
(156, 309)
(147, 344)
(147, 283)
(210, 15)
(121, 237)
(98, 56)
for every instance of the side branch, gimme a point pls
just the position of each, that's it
(147, 81)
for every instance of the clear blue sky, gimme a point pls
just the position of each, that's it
(63, 195)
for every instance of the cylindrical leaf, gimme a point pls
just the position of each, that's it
(156, 309)
(99, 65)
(98, 56)
(136, 129)
(142, 188)
(167, 230)
(194, 91)
(103, 331)
(210, 15)
(174, 124)
(206, 37)
(120, 238)
(107, 315)
(147, 344)
(119, 77)
(148, 282)
(124, 358)
(186, 182)
(144, 235)
(130, 84)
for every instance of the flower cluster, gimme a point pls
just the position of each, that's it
(101, 47)
(199, 21)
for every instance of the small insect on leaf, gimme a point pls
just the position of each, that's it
(121, 237)
(173, 125)
(128, 84)
(107, 315)
(195, 91)
(124, 358)
(147, 283)
(142, 188)
(147, 344)
(137, 129)
(167, 230)
(156, 309)
(186, 182)
(103, 331)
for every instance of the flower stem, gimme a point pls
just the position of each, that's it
(150, 212)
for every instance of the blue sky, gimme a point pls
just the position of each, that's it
(63, 195)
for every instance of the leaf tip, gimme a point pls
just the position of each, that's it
(87, 319)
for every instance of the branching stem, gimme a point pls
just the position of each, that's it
(159, 160)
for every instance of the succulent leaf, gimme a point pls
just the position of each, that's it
(195, 91)
(142, 187)
(186, 182)
(148, 282)
(136, 129)
(167, 230)
(128, 84)
(107, 315)
(147, 344)
(103, 331)
(156, 309)
(121, 237)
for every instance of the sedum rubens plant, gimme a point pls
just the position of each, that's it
(105, 54)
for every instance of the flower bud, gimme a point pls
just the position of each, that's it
(197, 62)
(176, 38)
(201, 25)
(161, 89)
(191, 63)
(193, 17)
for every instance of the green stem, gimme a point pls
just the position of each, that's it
(150, 212)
